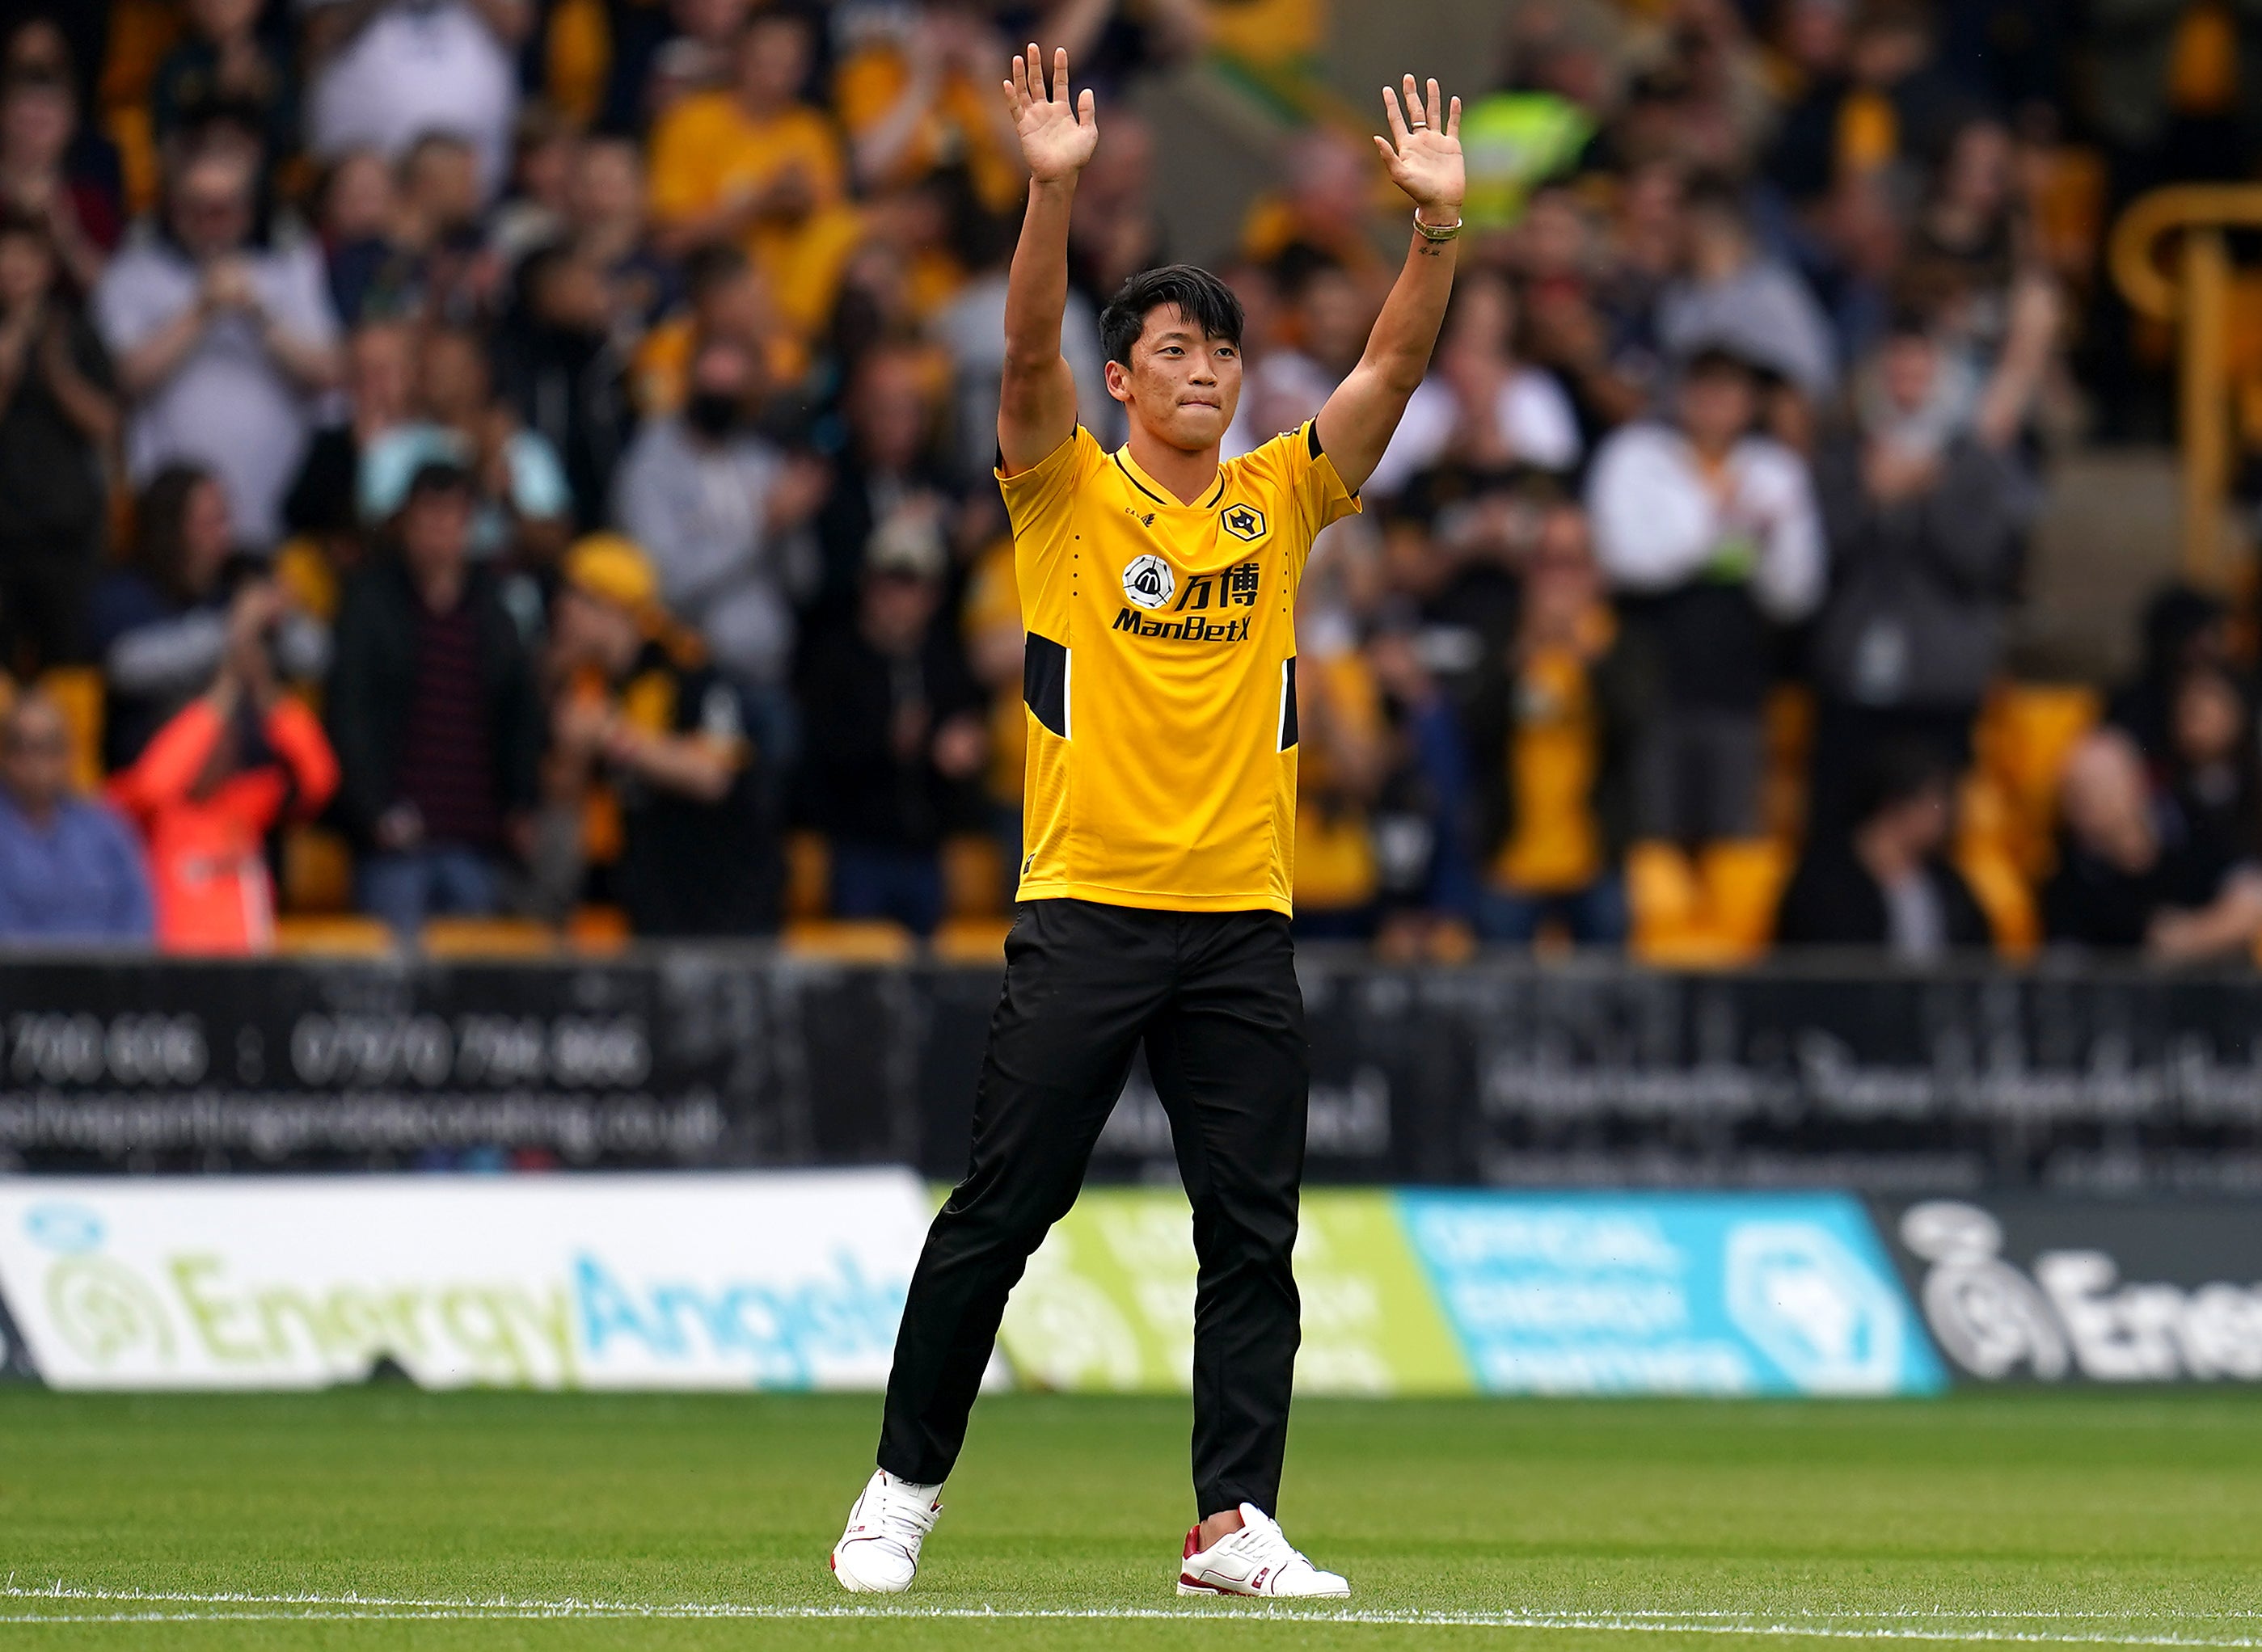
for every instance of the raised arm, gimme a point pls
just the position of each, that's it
(1036, 406)
(1424, 154)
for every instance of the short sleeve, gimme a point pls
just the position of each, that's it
(1296, 471)
(1037, 500)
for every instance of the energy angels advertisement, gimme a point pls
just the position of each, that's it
(784, 1280)
(796, 1280)
(1446, 1293)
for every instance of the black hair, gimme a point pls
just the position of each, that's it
(1899, 771)
(1194, 292)
(440, 479)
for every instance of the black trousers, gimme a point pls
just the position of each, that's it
(1213, 997)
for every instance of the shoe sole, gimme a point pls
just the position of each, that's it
(851, 1585)
(1188, 1587)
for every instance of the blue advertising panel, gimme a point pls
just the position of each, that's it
(1670, 1293)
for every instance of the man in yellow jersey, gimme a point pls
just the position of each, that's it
(1159, 591)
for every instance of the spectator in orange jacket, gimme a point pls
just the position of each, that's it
(214, 781)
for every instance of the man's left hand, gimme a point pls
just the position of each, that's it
(1423, 150)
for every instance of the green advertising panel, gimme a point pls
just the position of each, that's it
(1108, 1302)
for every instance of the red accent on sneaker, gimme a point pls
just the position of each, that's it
(1193, 1537)
(1257, 1583)
(1196, 1583)
(833, 1561)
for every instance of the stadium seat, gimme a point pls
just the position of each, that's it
(2022, 738)
(1743, 879)
(76, 691)
(303, 571)
(848, 940)
(598, 930)
(1667, 901)
(808, 876)
(971, 940)
(317, 871)
(973, 876)
(1789, 756)
(487, 938)
(343, 933)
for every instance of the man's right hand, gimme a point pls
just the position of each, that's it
(1057, 139)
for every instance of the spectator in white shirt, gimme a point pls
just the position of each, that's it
(383, 73)
(221, 344)
(1708, 534)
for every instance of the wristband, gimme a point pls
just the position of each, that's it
(1434, 231)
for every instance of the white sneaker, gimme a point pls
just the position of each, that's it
(1254, 1561)
(878, 1554)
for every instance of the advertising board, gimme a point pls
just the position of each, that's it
(2067, 1289)
(782, 1280)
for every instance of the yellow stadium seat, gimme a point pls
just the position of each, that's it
(306, 575)
(848, 940)
(808, 875)
(973, 876)
(487, 938)
(1662, 890)
(76, 691)
(2006, 898)
(343, 933)
(972, 940)
(317, 871)
(1790, 754)
(1743, 882)
(2023, 739)
(598, 930)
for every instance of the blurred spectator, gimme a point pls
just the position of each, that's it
(754, 165)
(1874, 96)
(563, 375)
(663, 56)
(1707, 532)
(605, 221)
(1881, 881)
(887, 469)
(220, 343)
(725, 300)
(440, 265)
(216, 780)
(70, 869)
(1425, 868)
(1926, 506)
(639, 709)
(717, 509)
(523, 500)
(1551, 733)
(2130, 875)
(1341, 751)
(971, 327)
(58, 418)
(1480, 404)
(160, 624)
(384, 73)
(545, 152)
(1113, 231)
(39, 114)
(368, 275)
(916, 88)
(2183, 630)
(434, 709)
(2213, 774)
(1320, 217)
(895, 734)
(222, 62)
(325, 496)
(1732, 295)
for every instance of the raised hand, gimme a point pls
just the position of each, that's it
(1057, 139)
(1425, 158)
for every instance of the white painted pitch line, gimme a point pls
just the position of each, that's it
(237, 1607)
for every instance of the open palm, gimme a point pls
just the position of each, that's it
(1057, 138)
(1423, 150)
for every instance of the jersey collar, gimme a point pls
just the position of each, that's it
(1160, 495)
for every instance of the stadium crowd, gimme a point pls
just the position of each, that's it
(472, 457)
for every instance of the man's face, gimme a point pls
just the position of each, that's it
(1922, 821)
(211, 212)
(435, 531)
(890, 412)
(588, 630)
(377, 366)
(26, 270)
(454, 376)
(607, 182)
(1180, 387)
(773, 62)
(1718, 405)
(896, 608)
(35, 755)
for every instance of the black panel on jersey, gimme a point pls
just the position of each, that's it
(1044, 682)
(1287, 702)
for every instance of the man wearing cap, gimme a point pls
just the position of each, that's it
(434, 714)
(640, 709)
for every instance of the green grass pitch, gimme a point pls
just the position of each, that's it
(383, 1517)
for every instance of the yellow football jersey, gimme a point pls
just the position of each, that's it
(1160, 676)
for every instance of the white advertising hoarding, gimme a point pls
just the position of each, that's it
(753, 1280)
